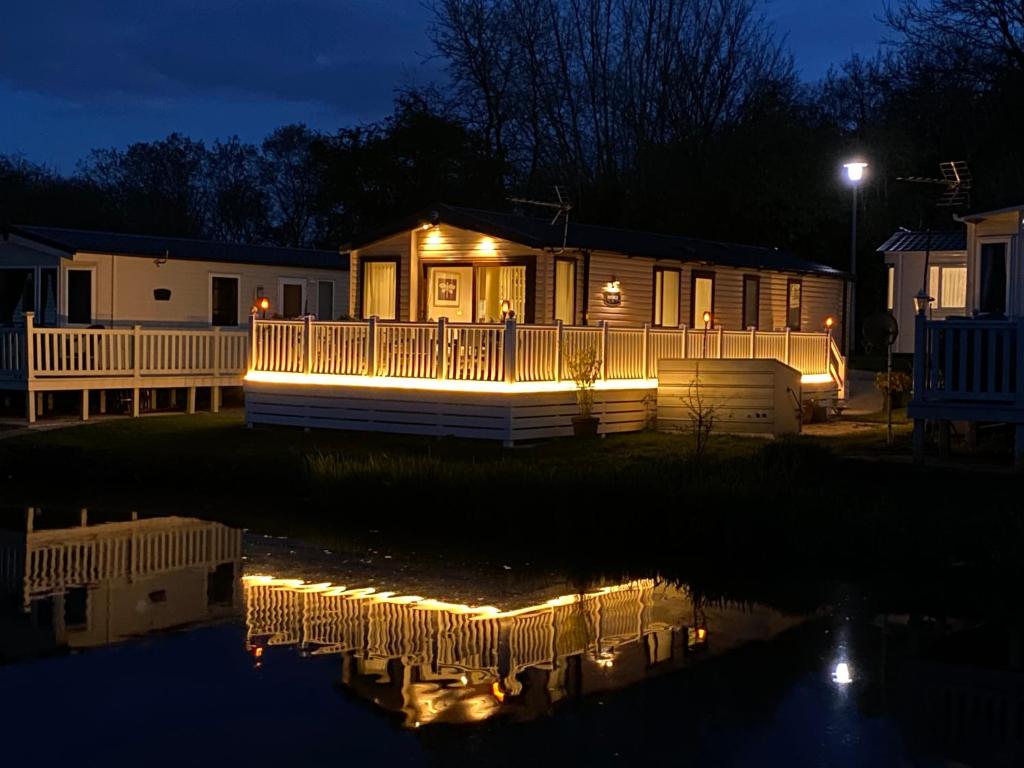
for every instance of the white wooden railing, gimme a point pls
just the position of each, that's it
(46, 353)
(511, 352)
(967, 361)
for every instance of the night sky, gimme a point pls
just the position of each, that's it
(76, 75)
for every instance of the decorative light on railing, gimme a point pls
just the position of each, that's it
(922, 301)
(829, 322)
(262, 305)
(612, 293)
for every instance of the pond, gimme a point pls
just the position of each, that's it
(179, 641)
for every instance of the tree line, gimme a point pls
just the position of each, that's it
(678, 115)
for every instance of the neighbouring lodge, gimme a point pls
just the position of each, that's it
(467, 322)
(125, 319)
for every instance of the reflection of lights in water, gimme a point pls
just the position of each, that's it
(841, 675)
(464, 680)
(496, 690)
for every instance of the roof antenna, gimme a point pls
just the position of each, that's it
(956, 182)
(562, 208)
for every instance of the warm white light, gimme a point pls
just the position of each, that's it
(855, 170)
(440, 385)
(816, 378)
(842, 675)
(434, 237)
(487, 245)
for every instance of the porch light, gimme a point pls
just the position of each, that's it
(487, 245)
(829, 322)
(263, 303)
(612, 293)
(707, 318)
(922, 301)
(855, 170)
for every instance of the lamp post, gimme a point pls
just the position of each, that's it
(707, 323)
(855, 174)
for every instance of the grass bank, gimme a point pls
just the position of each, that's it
(789, 505)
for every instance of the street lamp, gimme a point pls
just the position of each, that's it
(855, 174)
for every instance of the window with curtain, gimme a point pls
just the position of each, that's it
(948, 286)
(794, 304)
(703, 299)
(666, 297)
(380, 281)
(890, 289)
(565, 291)
(751, 301)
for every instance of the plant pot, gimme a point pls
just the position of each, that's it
(585, 426)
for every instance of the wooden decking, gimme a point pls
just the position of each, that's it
(40, 360)
(969, 370)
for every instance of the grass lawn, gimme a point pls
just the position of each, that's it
(747, 504)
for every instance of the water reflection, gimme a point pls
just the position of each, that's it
(433, 661)
(90, 585)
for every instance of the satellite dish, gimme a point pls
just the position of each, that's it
(880, 331)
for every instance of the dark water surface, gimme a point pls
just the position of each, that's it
(177, 641)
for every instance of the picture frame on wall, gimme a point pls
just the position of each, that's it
(447, 288)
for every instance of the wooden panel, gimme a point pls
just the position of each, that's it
(507, 417)
(743, 396)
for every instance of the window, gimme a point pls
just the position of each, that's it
(380, 289)
(16, 294)
(992, 298)
(325, 300)
(565, 290)
(223, 300)
(751, 301)
(79, 294)
(702, 298)
(794, 302)
(292, 297)
(666, 297)
(890, 289)
(948, 286)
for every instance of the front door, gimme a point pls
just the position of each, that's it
(450, 294)
(992, 298)
(79, 296)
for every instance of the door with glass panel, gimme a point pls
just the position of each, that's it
(666, 297)
(565, 290)
(500, 289)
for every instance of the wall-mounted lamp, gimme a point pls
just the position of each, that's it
(612, 293)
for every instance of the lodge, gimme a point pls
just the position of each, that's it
(466, 321)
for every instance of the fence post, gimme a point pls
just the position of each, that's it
(307, 344)
(136, 367)
(646, 362)
(559, 338)
(442, 348)
(371, 346)
(604, 349)
(253, 357)
(510, 350)
(921, 355)
(30, 367)
(753, 342)
(786, 361)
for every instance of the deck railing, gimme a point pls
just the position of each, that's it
(511, 352)
(47, 353)
(969, 361)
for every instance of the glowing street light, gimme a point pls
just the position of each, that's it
(855, 174)
(842, 675)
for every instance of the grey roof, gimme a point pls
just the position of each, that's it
(903, 241)
(541, 233)
(78, 240)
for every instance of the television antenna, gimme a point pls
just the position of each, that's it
(562, 209)
(956, 182)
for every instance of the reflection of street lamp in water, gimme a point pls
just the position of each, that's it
(707, 324)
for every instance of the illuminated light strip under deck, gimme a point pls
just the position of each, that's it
(455, 385)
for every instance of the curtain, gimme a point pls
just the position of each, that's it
(703, 288)
(565, 291)
(954, 287)
(512, 286)
(379, 290)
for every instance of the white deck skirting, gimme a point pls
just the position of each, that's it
(508, 413)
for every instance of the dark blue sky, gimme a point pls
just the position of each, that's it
(76, 75)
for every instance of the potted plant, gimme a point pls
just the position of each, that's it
(584, 367)
(898, 390)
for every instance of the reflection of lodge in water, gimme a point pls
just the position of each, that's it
(93, 584)
(437, 661)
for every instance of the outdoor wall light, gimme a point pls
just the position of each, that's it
(922, 301)
(612, 293)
